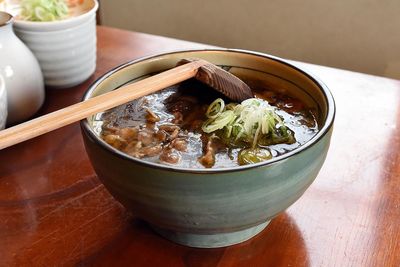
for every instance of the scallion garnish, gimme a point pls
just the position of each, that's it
(253, 122)
(43, 10)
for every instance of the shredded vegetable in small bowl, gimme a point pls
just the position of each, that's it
(43, 10)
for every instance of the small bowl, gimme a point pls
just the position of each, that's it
(213, 207)
(65, 49)
(67, 57)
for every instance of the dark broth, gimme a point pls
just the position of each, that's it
(177, 113)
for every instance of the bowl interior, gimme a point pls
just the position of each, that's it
(270, 71)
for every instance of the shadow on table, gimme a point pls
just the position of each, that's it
(280, 244)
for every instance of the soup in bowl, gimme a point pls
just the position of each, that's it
(204, 171)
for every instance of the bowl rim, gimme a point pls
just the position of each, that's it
(331, 110)
(82, 25)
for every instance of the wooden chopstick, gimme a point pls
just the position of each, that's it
(82, 110)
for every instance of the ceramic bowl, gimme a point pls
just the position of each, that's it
(67, 57)
(3, 103)
(213, 207)
(65, 49)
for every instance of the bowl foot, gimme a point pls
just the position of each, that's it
(212, 240)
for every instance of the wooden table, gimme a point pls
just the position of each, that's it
(54, 211)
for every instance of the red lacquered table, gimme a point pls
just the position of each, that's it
(54, 211)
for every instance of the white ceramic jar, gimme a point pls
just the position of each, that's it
(21, 72)
(3, 104)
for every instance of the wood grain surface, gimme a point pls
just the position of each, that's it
(55, 212)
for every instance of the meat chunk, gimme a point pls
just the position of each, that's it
(208, 159)
(146, 136)
(115, 141)
(134, 148)
(151, 151)
(168, 127)
(179, 144)
(151, 116)
(171, 130)
(128, 133)
(161, 135)
(174, 134)
(170, 156)
(107, 129)
(210, 149)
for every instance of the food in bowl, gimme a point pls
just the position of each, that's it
(213, 207)
(191, 126)
(45, 10)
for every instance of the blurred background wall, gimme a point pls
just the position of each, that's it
(359, 35)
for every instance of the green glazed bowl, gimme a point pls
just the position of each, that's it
(213, 207)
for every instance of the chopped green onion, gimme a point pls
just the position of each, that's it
(254, 122)
(43, 10)
(220, 122)
(215, 108)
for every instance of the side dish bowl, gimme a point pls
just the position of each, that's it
(66, 48)
(222, 206)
